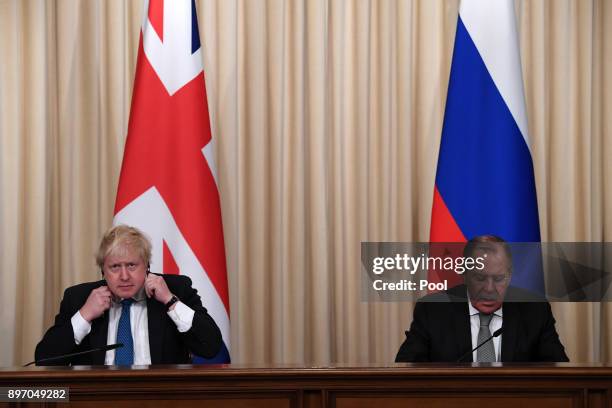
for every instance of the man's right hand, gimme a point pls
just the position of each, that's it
(97, 303)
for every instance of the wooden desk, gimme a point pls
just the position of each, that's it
(401, 385)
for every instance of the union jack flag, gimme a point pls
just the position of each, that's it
(168, 187)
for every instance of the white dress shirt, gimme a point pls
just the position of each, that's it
(495, 324)
(181, 315)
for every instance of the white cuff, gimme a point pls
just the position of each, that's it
(80, 327)
(182, 316)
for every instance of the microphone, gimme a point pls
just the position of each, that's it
(80, 353)
(495, 334)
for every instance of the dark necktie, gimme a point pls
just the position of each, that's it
(485, 354)
(125, 355)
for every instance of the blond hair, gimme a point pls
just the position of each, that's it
(122, 236)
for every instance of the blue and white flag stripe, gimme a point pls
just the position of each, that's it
(485, 175)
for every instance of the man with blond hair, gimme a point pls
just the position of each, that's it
(159, 319)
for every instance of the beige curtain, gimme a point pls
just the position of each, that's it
(327, 117)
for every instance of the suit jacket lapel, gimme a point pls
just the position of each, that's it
(461, 325)
(98, 337)
(509, 335)
(155, 312)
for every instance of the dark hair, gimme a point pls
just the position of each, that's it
(489, 243)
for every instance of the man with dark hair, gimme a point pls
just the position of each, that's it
(447, 325)
(159, 319)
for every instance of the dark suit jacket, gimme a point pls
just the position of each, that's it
(440, 330)
(167, 344)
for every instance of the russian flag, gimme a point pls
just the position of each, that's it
(168, 187)
(485, 180)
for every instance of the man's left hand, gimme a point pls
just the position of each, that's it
(156, 287)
